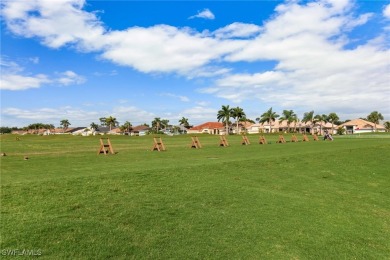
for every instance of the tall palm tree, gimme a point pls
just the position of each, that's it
(224, 115)
(156, 123)
(332, 118)
(374, 117)
(269, 116)
(184, 122)
(309, 117)
(103, 121)
(111, 121)
(238, 114)
(320, 119)
(289, 116)
(65, 124)
(127, 126)
(165, 123)
(94, 126)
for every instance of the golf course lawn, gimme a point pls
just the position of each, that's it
(304, 200)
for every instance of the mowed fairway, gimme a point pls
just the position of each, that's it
(305, 200)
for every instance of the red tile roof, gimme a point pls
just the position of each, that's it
(208, 125)
(140, 128)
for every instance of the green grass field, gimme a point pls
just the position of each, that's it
(305, 200)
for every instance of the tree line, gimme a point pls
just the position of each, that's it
(270, 116)
(223, 115)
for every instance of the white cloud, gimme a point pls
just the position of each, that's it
(181, 98)
(135, 115)
(59, 22)
(203, 103)
(20, 82)
(237, 30)
(199, 114)
(386, 11)
(313, 68)
(164, 48)
(34, 60)
(21, 117)
(50, 115)
(13, 77)
(204, 14)
(306, 41)
(70, 78)
(159, 48)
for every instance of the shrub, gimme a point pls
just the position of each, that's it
(340, 131)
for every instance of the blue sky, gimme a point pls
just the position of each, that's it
(137, 60)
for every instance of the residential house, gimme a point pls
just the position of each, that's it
(115, 131)
(242, 127)
(77, 130)
(102, 130)
(18, 132)
(215, 128)
(279, 127)
(357, 126)
(140, 130)
(320, 128)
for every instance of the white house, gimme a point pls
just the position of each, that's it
(358, 126)
(215, 128)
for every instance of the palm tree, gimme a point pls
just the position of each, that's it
(111, 121)
(289, 116)
(308, 117)
(238, 114)
(165, 123)
(269, 117)
(127, 126)
(184, 122)
(156, 123)
(224, 114)
(103, 121)
(387, 126)
(94, 126)
(65, 124)
(320, 119)
(374, 117)
(332, 118)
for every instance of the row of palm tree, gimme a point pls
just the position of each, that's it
(35, 127)
(226, 113)
(157, 124)
(270, 116)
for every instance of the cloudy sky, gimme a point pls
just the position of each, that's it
(136, 60)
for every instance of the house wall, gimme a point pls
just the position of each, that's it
(359, 131)
(253, 130)
(193, 132)
(354, 130)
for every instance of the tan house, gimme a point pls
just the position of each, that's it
(214, 128)
(140, 130)
(283, 127)
(358, 126)
(320, 128)
(242, 127)
(277, 127)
